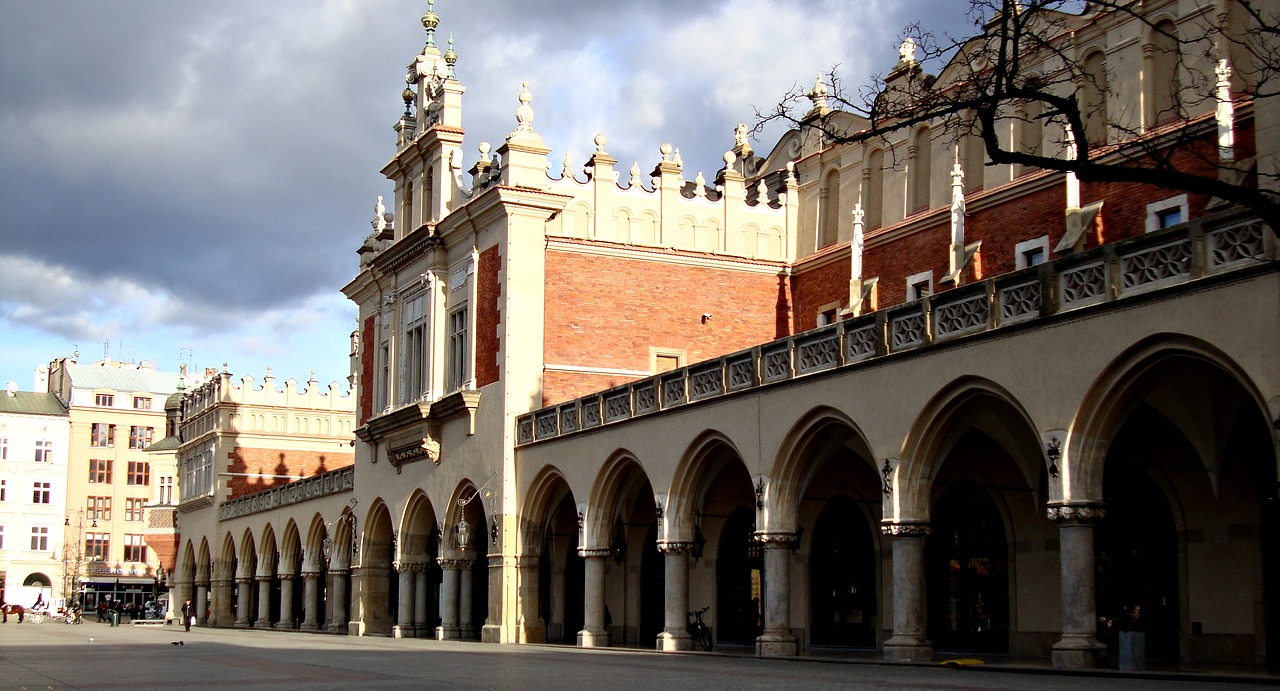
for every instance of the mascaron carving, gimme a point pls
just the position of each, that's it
(675, 547)
(426, 447)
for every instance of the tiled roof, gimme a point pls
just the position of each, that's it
(166, 444)
(124, 379)
(31, 403)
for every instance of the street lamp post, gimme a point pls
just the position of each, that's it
(73, 554)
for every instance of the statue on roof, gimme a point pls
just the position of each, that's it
(907, 51)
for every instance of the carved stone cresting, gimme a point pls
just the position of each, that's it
(1076, 513)
(906, 529)
(425, 447)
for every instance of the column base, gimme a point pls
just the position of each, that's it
(776, 645)
(492, 633)
(907, 650)
(282, 624)
(671, 642)
(448, 633)
(1078, 651)
(528, 633)
(309, 626)
(354, 628)
(399, 631)
(593, 639)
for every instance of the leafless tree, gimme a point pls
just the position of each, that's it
(1022, 64)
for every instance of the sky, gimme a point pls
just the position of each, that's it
(187, 182)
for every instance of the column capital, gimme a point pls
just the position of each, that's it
(906, 529)
(775, 538)
(287, 576)
(202, 584)
(340, 572)
(594, 552)
(243, 579)
(456, 564)
(263, 577)
(1076, 514)
(674, 547)
(310, 574)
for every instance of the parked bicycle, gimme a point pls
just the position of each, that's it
(698, 630)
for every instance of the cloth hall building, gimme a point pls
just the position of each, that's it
(876, 395)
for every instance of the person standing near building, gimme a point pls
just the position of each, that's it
(188, 614)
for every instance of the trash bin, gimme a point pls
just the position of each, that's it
(115, 617)
(1133, 651)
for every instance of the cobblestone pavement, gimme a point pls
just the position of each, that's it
(92, 656)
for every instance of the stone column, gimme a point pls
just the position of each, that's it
(777, 638)
(202, 604)
(421, 597)
(466, 629)
(532, 627)
(448, 628)
(312, 613)
(264, 602)
(404, 605)
(593, 633)
(908, 643)
(286, 602)
(244, 601)
(1079, 647)
(675, 620)
(338, 624)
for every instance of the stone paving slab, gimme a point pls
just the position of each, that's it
(92, 656)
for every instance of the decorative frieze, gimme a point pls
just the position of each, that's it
(594, 552)
(1076, 513)
(906, 529)
(676, 548)
(322, 485)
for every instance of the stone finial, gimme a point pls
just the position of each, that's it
(665, 150)
(675, 158)
(430, 21)
(729, 158)
(600, 141)
(379, 221)
(451, 58)
(567, 170)
(700, 185)
(635, 174)
(762, 193)
(907, 51)
(524, 115)
(484, 149)
(818, 95)
(791, 172)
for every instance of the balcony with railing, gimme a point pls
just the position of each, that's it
(1204, 248)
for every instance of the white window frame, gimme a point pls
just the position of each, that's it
(1154, 209)
(42, 491)
(459, 323)
(39, 538)
(821, 319)
(4, 448)
(1022, 249)
(415, 349)
(914, 280)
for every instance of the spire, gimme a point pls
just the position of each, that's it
(524, 117)
(430, 21)
(451, 58)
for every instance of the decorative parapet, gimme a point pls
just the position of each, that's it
(322, 485)
(1192, 251)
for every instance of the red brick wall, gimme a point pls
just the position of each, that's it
(816, 287)
(278, 462)
(488, 292)
(366, 370)
(608, 311)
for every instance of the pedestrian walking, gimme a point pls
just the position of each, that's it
(188, 614)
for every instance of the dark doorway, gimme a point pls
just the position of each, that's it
(967, 573)
(842, 572)
(653, 587)
(739, 581)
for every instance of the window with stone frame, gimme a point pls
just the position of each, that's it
(164, 485)
(3, 487)
(104, 400)
(142, 403)
(102, 435)
(99, 508)
(139, 473)
(39, 538)
(40, 493)
(4, 448)
(414, 346)
(44, 451)
(135, 548)
(459, 349)
(140, 437)
(100, 471)
(97, 546)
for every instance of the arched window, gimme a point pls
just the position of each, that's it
(873, 192)
(922, 169)
(1093, 98)
(1165, 86)
(829, 210)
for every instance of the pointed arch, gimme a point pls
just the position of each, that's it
(816, 434)
(707, 454)
(615, 485)
(290, 548)
(545, 493)
(948, 415)
(313, 553)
